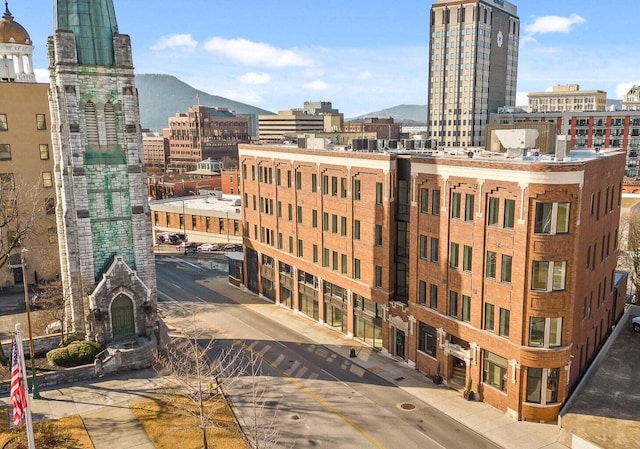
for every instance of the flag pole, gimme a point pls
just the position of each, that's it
(30, 439)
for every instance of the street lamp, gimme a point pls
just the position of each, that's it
(34, 384)
(184, 226)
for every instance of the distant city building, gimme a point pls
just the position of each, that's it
(204, 219)
(314, 117)
(587, 130)
(496, 272)
(156, 150)
(384, 128)
(567, 97)
(631, 100)
(473, 65)
(26, 161)
(170, 185)
(202, 133)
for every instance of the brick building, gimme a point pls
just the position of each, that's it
(498, 272)
(207, 218)
(202, 133)
(384, 128)
(155, 148)
(619, 130)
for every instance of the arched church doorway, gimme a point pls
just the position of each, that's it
(122, 318)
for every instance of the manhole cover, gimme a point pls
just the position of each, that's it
(407, 406)
(398, 379)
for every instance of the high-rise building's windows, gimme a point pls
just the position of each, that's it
(503, 330)
(433, 296)
(467, 258)
(424, 201)
(47, 179)
(5, 152)
(509, 213)
(456, 199)
(453, 255)
(552, 218)
(453, 303)
(489, 311)
(492, 215)
(41, 122)
(422, 292)
(378, 193)
(468, 207)
(434, 249)
(44, 151)
(4, 124)
(466, 308)
(491, 265)
(378, 278)
(505, 270)
(549, 276)
(378, 235)
(435, 202)
(356, 189)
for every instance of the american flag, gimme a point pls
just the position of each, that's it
(18, 396)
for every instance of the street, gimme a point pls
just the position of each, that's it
(312, 396)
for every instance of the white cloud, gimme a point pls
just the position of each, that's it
(243, 96)
(254, 78)
(623, 88)
(42, 75)
(553, 24)
(317, 85)
(256, 53)
(175, 42)
(365, 76)
(522, 99)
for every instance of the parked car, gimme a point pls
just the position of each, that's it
(635, 324)
(208, 247)
(184, 245)
(232, 247)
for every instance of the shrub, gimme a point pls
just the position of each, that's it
(70, 338)
(74, 354)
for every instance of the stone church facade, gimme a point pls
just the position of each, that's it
(103, 216)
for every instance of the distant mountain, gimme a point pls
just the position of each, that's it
(162, 96)
(407, 114)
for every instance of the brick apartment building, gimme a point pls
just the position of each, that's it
(501, 272)
(202, 133)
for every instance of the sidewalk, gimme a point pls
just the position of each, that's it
(485, 419)
(103, 405)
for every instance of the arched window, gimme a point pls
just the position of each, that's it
(92, 125)
(110, 124)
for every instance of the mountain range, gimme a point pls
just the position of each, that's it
(163, 96)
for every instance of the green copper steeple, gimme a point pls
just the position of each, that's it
(94, 23)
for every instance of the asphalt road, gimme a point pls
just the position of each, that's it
(307, 394)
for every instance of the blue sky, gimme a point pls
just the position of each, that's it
(362, 56)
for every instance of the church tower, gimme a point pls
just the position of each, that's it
(103, 216)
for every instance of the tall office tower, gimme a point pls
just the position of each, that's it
(473, 63)
(103, 215)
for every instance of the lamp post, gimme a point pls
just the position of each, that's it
(34, 383)
(184, 226)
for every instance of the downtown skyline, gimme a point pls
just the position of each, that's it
(362, 58)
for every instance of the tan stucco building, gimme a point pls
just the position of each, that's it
(567, 97)
(26, 163)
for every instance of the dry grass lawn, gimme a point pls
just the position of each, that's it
(169, 426)
(70, 428)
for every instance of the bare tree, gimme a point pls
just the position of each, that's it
(53, 300)
(203, 370)
(21, 207)
(198, 370)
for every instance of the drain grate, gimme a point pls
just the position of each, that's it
(407, 406)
